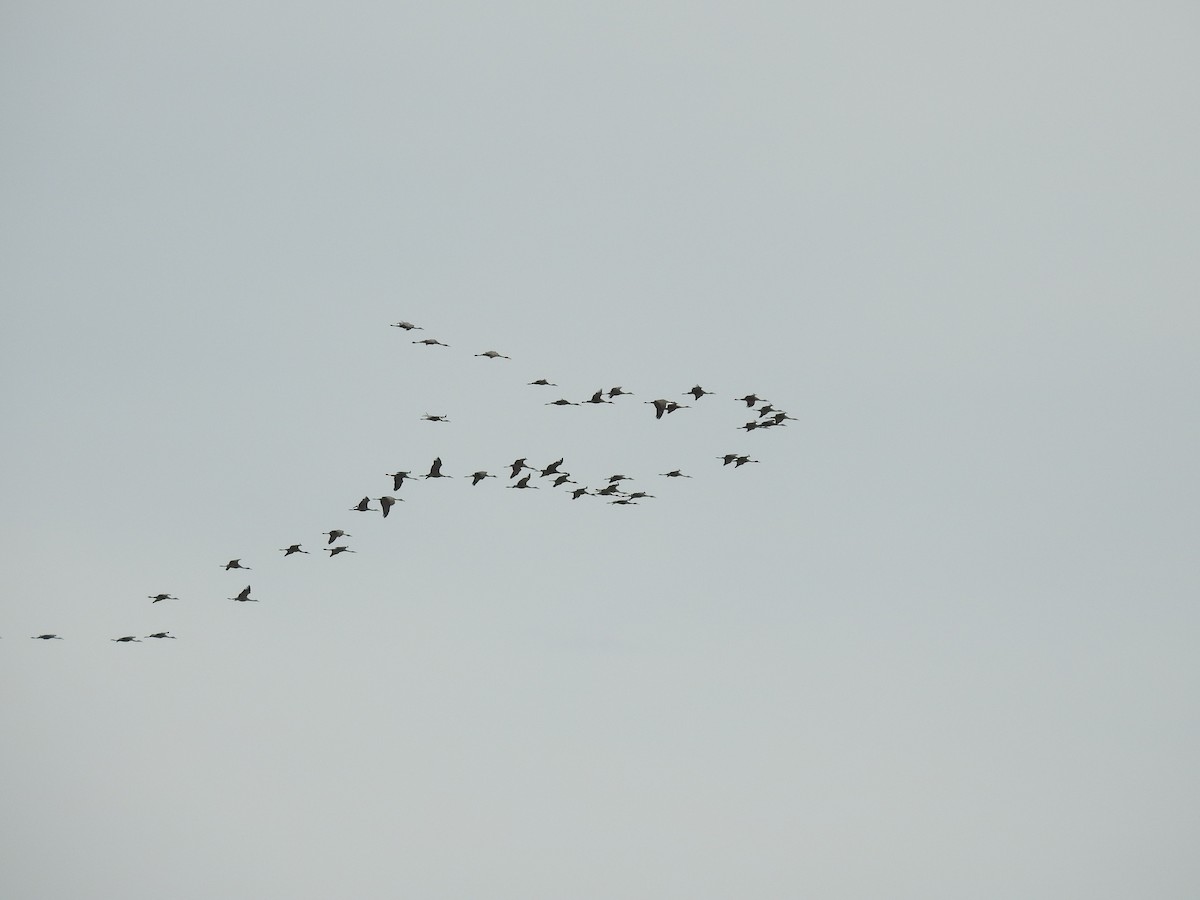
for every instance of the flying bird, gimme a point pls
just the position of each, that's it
(386, 504)
(441, 418)
(698, 392)
(46, 637)
(363, 505)
(561, 402)
(563, 479)
(292, 548)
(435, 470)
(407, 326)
(334, 551)
(157, 597)
(675, 473)
(660, 407)
(672, 406)
(161, 634)
(750, 399)
(552, 469)
(578, 492)
(125, 640)
(517, 466)
(244, 596)
(619, 392)
(492, 354)
(398, 479)
(543, 383)
(728, 458)
(477, 477)
(335, 534)
(431, 342)
(524, 483)
(742, 460)
(598, 397)
(235, 564)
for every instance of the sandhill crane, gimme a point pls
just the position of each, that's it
(624, 501)
(386, 504)
(552, 469)
(431, 342)
(524, 483)
(672, 406)
(438, 418)
(613, 479)
(608, 491)
(742, 460)
(407, 326)
(161, 634)
(638, 495)
(674, 473)
(749, 426)
(598, 397)
(334, 551)
(155, 598)
(435, 470)
(728, 458)
(750, 399)
(477, 477)
(363, 505)
(46, 637)
(129, 638)
(492, 354)
(542, 382)
(398, 479)
(561, 402)
(235, 564)
(765, 410)
(517, 466)
(563, 479)
(292, 548)
(780, 416)
(619, 392)
(698, 392)
(578, 492)
(335, 534)
(660, 407)
(244, 596)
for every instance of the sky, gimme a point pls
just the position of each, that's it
(939, 642)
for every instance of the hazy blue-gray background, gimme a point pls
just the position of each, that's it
(940, 643)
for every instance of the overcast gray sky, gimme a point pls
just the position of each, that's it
(939, 643)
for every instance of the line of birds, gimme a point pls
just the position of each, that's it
(767, 416)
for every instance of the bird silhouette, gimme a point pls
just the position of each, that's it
(492, 354)
(660, 407)
(543, 383)
(244, 596)
(439, 418)
(552, 469)
(578, 492)
(431, 342)
(125, 640)
(728, 458)
(334, 551)
(398, 479)
(698, 392)
(477, 477)
(292, 548)
(155, 598)
(335, 534)
(674, 473)
(407, 326)
(618, 392)
(672, 406)
(742, 460)
(524, 483)
(386, 504)
(363, 505)
(750, 399)
(598, 397)
(435, 470)
(561, 402)
(46, 637)
(235, 564)
(161, 634)
(517, 466)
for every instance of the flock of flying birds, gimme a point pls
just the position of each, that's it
(520, 472)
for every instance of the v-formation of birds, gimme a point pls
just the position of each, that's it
(520, 474)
